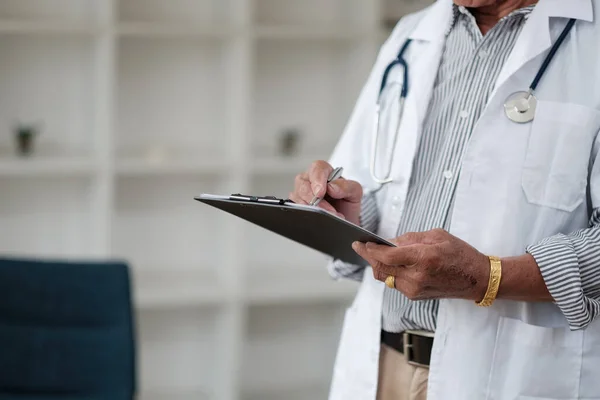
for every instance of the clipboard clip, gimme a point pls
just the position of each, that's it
(259, 199)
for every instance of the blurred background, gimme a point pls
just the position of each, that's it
(114, 114)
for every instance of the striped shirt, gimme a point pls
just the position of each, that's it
(469, 68)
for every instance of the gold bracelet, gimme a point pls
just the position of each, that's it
(494, 282)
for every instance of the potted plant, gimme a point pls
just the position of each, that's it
(24, 138)
(289, 141)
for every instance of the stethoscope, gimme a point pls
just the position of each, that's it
(519, 107)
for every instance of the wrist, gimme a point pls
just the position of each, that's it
(522, 280)
(481, 279)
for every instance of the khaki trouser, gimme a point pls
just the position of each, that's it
(398, 380)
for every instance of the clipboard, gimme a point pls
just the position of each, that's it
(308, 225)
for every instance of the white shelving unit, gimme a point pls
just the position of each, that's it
(143, 104)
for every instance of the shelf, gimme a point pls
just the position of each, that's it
(150, 30)
(142, 105)
(165, 288)
(171, 288)
(175, 394)
(312, 13)
(190, 12)
(140, 167)
(54, 11)
(283, 166)
(275, 286)
(46, 217)
(49, 82)
(47, 167)
(170, 95)
(178, 350)
(303, 87)
(299, 391)
(157, 222)
(47, 28)
(309, 33)
(311, 332)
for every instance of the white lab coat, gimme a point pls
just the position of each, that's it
(518, 184)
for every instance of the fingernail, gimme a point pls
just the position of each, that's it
(355, 245)
(341, 215)
(317, 189)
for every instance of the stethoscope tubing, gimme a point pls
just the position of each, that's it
(399, 60)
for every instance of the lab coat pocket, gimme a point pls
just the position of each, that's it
(556, 164)
(535, 362)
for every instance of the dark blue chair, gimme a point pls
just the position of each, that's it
(66, 331)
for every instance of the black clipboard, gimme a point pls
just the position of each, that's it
(308, 225)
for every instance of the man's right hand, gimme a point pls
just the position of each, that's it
(342, 196)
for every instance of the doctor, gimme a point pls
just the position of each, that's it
(474, 144)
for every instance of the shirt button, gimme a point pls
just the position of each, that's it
(448, 174)
(464, 114)
(395, 200)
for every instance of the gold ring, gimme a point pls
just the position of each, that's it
(390, 281)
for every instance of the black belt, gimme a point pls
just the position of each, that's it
(415, 345)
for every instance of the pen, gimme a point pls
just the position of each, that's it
(335, 174)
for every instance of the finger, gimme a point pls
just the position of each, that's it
(381, 274)
(303, 189)
(387, 270)
(325, 205)
(348, 190)
(318, 173)
(410, 238)
(302, 186)
(361, 250)
(427, 237)
(296, 198)
(403, 255)
(303, 195)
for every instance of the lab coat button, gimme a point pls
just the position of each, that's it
(483, 54)
(448, 174)
(395, 200)
(464, 114)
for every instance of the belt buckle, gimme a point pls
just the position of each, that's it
(407, 335)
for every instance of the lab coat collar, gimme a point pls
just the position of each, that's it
(578, 9)
(536, 36)
(435, 23)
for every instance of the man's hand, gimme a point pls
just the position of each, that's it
(430, 265)
(342, 197)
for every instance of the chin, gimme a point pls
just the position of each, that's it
(474, 3)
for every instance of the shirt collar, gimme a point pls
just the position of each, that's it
(463, 12)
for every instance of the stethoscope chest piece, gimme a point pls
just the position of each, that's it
(520, 107)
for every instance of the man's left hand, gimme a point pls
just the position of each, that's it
(430, 265)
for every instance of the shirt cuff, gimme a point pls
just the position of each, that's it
(558, 262)
(339, 269)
